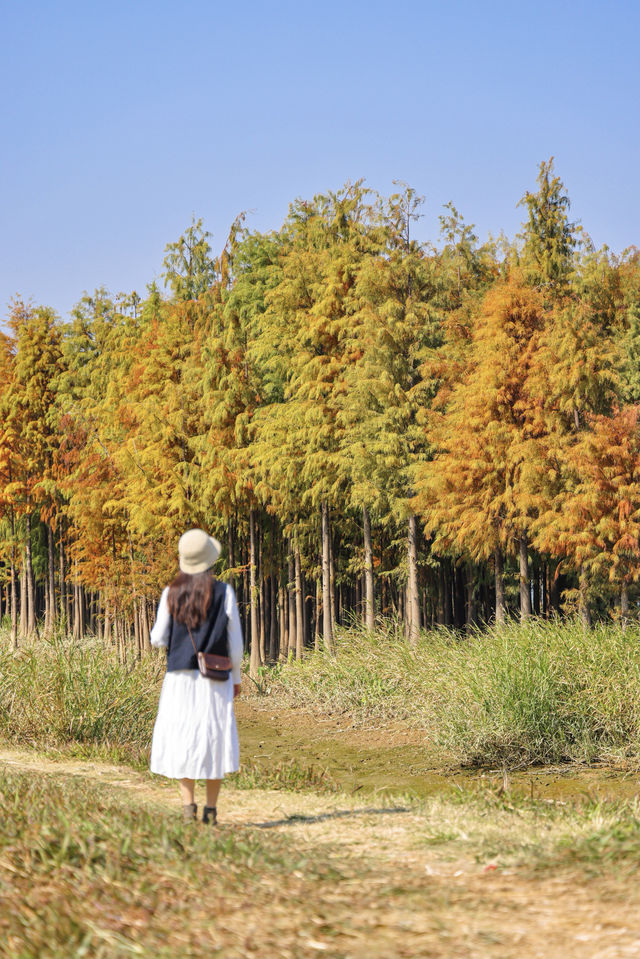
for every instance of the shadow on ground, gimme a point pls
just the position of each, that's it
(297, 818)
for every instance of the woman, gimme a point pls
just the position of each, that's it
(195, 735)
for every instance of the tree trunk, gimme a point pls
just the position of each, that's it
(46, 629)
(327, 625)
(448, 597)
(440, 610)
(63, 585)
(51, 605)
(232, 564)
(261, 594)
(370, 609)
(535, 585)
(108, 633)
(273, 624)
(459, 597)
(78, 607)
(99, 619)
(134, 596)
(122, 646)
(273, 628)
(14, 596)
(254, 661)
(76, 604)
(470, 601)
(31, 600)
(76, 610)
(525, 589)
(299, 601)
(316, 631)
(291, 599)
(282, 620)
(137, 638)
(499, 578)
(146, 638)
(332, 583)
(307, 611)
(23, 595)
(69, 597)
(624, 605)
(413, 597)
(583, 599)
(246, 594)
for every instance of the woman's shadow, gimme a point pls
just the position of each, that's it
(298, 818)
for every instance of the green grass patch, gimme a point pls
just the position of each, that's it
(86, 871)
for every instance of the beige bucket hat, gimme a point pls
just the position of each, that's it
(197, 551)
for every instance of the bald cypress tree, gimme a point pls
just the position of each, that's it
(396, 325)
(31, 419)
(9, 447)
(473, 494)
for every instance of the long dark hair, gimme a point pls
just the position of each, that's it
(190, 597)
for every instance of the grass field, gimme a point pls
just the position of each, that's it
(516, 696)
(95, 862)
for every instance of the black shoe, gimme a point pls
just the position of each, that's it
(210, 815)
(189, 812)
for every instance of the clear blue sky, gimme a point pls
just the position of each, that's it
(121, 119)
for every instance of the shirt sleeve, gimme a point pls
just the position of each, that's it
(160, 632)
(234, 634)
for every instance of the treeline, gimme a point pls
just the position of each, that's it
(370, 425)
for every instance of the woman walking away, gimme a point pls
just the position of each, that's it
(195, 735)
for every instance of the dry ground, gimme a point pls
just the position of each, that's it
(412, 882)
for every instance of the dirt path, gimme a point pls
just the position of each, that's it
(451, 905)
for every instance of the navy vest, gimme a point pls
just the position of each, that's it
(209, 637)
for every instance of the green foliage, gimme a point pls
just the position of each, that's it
(474, 493)
(29, 408)
(630, 325)
(189, 267)
(550, 238)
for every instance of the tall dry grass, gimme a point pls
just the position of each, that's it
(58, 692)
(543, 692)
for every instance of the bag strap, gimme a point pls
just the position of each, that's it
(208, 635)
(195, 649)
(192, 642)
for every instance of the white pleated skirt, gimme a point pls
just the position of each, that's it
(195, 734)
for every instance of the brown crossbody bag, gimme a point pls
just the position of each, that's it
(210, 665)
